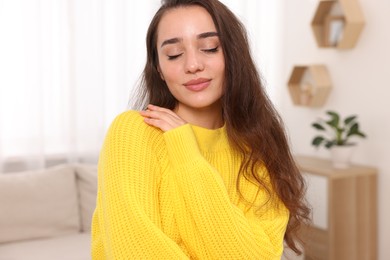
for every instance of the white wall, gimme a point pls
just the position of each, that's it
(361, 86)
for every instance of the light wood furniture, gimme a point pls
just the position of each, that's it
(309, 85)
(344, 205)
(341, 20)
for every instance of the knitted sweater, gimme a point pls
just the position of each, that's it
(173, 195)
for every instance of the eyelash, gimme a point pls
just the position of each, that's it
(213, 50)
(173, 57)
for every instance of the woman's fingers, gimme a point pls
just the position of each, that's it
(162, 118)
(159, 120)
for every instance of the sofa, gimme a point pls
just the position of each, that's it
(46, 214)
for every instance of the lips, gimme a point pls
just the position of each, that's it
(197, 84)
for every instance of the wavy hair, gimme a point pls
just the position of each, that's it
(253, 126)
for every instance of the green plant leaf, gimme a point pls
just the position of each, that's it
(341, 130)
(362, 135)
(317, 141)
(349, 120)
(333, 113)
(333, 122)
(329, 144)
(318, 126)
(335, 119)
(353, 129)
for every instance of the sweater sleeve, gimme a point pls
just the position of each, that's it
(124, 223)
(211, 226)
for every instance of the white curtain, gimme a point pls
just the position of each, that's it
(67, 67)
(263, 20)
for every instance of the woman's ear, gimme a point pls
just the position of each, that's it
(161, 75)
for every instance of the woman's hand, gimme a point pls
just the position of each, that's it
(162, 118)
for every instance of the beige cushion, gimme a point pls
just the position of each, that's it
(87, 185)
(37, 204)
(69, 247)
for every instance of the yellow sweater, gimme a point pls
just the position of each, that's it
(173, 195)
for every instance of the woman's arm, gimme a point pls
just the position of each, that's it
(124, 224)
(210, 224)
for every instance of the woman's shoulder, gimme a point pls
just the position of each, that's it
(130, 124)
(128, 119)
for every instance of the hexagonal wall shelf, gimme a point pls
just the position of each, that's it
(337, 23)
(309, 85)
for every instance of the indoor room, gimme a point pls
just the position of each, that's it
(70, 71)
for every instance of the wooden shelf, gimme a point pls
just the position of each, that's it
(309, 85)
(337, 23)
(344, 203)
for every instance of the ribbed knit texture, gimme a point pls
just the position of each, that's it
(173, 195)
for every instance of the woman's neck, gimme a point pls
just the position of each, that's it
(210, 117)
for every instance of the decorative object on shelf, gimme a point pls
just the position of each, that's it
(333, 31)
(309, 85)
(339, 132)
(337, 23)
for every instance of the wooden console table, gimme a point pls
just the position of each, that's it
(344, 203)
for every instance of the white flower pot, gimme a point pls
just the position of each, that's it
(341, 156)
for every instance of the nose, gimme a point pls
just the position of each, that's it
(193, 62)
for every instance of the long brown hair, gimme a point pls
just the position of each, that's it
(252, 123)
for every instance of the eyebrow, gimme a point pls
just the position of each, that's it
(200, 36)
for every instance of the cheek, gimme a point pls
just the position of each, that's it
(222, 65)
(218, 66)
(170, 72)
(163, 67)
(221, 74)
(220, 71)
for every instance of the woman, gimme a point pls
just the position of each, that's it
(205, 172)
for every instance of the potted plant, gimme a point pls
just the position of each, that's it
(336, 134)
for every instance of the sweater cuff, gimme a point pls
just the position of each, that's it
(182, 145)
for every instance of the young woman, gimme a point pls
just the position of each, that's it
(205, 171)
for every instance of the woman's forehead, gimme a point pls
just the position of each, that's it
(184, 22)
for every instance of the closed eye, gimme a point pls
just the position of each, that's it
(213, 50)
(173, 57)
